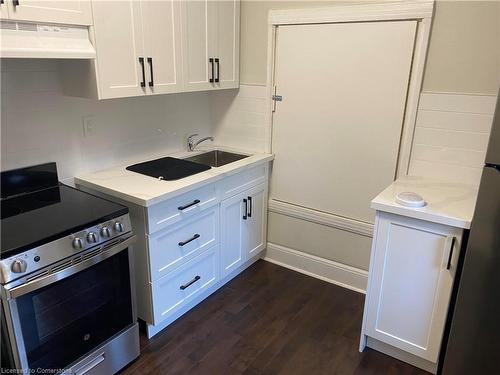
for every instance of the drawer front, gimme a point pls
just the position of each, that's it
(174, 246)
(239, 182)
(183, 206)
(182, 285)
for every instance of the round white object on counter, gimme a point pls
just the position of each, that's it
(410, 199)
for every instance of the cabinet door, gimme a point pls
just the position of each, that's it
(162, 44)
(74, 12)
(255, 226)
(4, 10)
(228, 43)
(233, 220)
(119, 44)
(198, 37)
(410, 283)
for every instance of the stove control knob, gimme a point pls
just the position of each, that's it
(105, 232)
(78, 243)
(91, 237)
(118, 226)
(18, 266)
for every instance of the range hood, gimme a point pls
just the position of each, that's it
(44, 41)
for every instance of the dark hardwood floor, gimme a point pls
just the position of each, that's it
(268, 320)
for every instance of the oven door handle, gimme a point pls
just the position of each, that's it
(66, 272)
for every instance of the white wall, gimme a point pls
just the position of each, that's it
(40, 124)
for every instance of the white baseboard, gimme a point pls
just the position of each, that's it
(327, 270)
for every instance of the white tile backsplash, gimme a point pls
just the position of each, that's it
(40, 124)
(240, 118)
(451, 136)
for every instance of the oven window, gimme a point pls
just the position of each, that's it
(65, 320)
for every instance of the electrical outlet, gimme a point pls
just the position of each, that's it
(88, 123)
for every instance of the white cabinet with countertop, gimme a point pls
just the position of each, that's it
(415, 254)
(194, 234)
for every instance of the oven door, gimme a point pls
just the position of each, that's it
(61, 317)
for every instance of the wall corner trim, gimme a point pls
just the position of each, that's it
(327, 270)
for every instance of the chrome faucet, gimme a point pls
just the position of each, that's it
(191, 144)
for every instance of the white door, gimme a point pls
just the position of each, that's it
(255, 226)
(75, 12)
(336, 133)
(198, 43)
(411, 278)
(228, 44)
(233, 219)
(121, 65)
(162, 44)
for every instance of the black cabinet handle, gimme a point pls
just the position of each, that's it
(250, 204)
(1, 1)
(448, 265)
(196, 201)
(188, 284)
(211, 61)
(15, 2)
(218, 69)
(150, 62)
(141, 61)
(246, 209)
(182, 243)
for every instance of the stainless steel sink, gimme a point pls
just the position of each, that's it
(216, 158)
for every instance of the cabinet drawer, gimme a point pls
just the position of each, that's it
(241, 181)
(182, 285)
(172, 247)
(185, 205)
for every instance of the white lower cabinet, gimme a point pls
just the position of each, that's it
(243, 223)
(412, 269)
(191, 244)
(182, 285)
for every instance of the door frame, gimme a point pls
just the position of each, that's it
(419, 10)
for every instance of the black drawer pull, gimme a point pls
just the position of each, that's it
(196, 201)
(218, 69)
(141, 61)
(14, 2)
(246, 209)
(448, 265)
(188, 284)
(182, 243)
(211, 61)
(150, 62)
(250, 208)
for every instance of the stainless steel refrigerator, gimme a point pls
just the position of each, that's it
(473, 345)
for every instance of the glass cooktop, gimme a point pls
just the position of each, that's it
(31, 219)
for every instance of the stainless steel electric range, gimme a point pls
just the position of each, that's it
(65, 273)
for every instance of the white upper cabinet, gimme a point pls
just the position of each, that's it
(73, 12)
(147, 47)
(120, 49)
(4, 11)
(162, 44)
(211, 40)
(198, 44)
(227, 44)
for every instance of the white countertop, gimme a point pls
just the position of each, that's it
(146, 191)
(447, 203)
